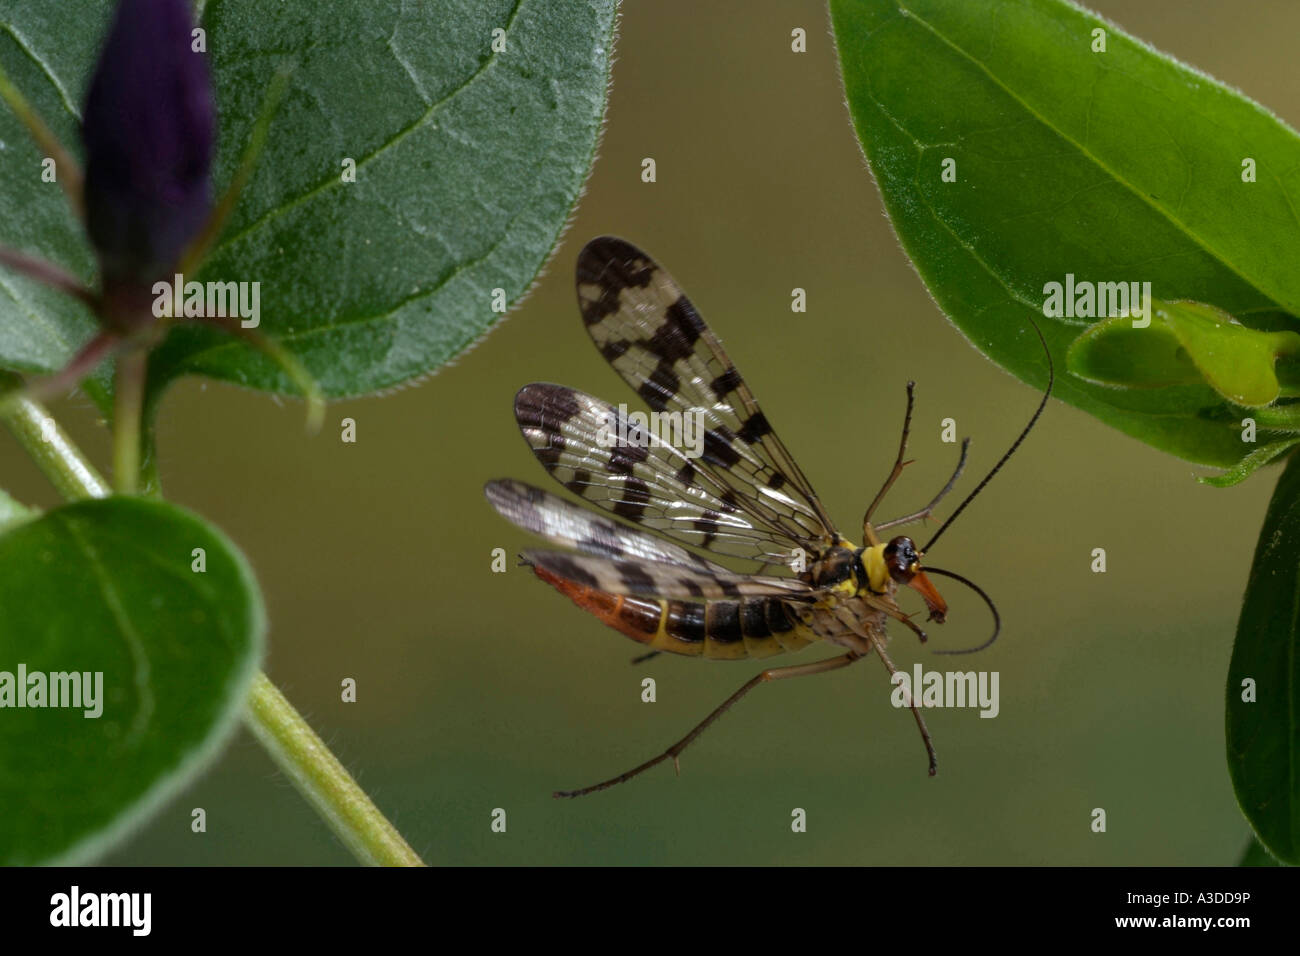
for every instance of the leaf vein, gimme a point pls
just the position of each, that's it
(1159, 208)
(27, 48)
(333, 181)
(132, 639)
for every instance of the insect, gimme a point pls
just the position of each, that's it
(741, 496)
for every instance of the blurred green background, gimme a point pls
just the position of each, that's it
(479, 690)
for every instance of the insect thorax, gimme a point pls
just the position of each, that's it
(847, 571)
(838, 569)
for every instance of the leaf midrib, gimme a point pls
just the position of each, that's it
(333, 180)
(1186, 230)
(130, 636)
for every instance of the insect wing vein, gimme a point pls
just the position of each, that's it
(660, 579)
(591, 448)
(560, 522)
(651, 334)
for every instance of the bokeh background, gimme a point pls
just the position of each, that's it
(481, 690)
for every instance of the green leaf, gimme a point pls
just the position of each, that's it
(47, 50)
(1184, 343)
(1263, 734)
(107, 586)
(468, 164)
(1252, 462)
(1115, 166)
(1256, 855)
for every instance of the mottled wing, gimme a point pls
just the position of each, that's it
(651, 334)
(594, 451)
(560, 522)
(660, 579)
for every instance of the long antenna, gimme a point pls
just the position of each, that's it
(1051, 378)
(997, 618)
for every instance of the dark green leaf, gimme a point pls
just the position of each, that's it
(1256, 855)
(48, 51)
(1263, 734)
(107, 586)
(469, 162)
(1115, 166)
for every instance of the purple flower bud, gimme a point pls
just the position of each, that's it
(148, 129)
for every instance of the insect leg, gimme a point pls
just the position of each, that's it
(776, 673)
(916, 711)
(867, 534)
(907, 619)
(642, 658)
(929, 509)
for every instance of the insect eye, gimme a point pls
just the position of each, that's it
(901, 559)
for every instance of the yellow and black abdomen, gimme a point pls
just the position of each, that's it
(717, 630)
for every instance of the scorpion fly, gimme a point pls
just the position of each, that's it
(741, 496)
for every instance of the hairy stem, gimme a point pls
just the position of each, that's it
(49, 446)
(325, 783)
(299, 752)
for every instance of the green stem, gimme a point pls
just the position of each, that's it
(53, 451)
(302, 755)
(325, 783)
(128, 405)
